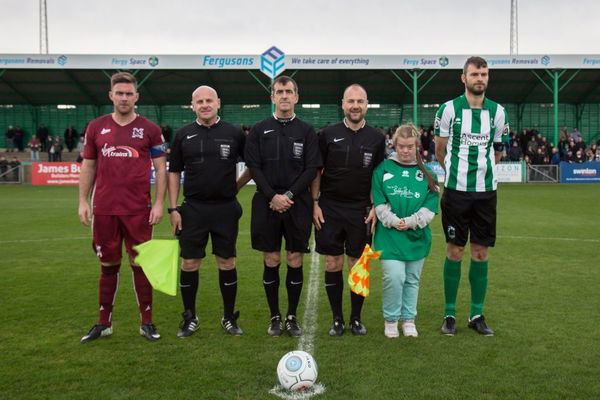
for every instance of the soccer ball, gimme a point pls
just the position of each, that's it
(297, 370)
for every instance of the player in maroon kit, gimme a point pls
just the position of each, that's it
(118, 153)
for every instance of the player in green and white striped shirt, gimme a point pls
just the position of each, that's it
(470, 131)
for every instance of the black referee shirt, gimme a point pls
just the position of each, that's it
(282, 150)
(208, 155)
(349, 158)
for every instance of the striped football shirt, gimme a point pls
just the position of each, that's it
(471, 133)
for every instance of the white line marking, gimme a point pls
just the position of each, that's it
(310, 327)
(310, 310)
(306, 394)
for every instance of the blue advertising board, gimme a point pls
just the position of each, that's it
(587, 172)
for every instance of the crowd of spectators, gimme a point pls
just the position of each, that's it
(529, 145)
(533, 147)
(42, 142)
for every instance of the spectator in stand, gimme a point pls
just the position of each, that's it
(34, 146)
(598, 154)
(580, 144)
(10, 139)
(427, 156)
(563, 142)
(42, 135)
(529, 136)
(14, 166)
(3, 168)
(19, 136)
(530, 152)
(579, 157)
(70, 137)
(167, 133)
(426, 140)
(512, 138)
(50, 149)
(555, 157)
(538, 138)
(575, 134)
(389, 148)
(572, 145)
(570, 157)
(563, 134)
(532, 144)
(593, 147)
(522, 138)
(58, 148)
(515, 153)
(543, 143)
(589, 155)
(539, 157)
(80, 148)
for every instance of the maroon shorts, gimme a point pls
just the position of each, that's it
(110, 230)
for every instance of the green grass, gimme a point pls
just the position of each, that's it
(543, 301)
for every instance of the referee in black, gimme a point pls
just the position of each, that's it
(342, 211)
(283, 157)
(207, 150)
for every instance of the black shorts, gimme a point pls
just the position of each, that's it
(344, 229)
(464, 212)
(267, 227)
(199, 219)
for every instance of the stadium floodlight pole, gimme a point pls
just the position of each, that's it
(43, 28)
(514, 27)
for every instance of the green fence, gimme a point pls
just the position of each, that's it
(586, 117)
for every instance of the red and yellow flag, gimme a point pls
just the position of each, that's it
(359, 277)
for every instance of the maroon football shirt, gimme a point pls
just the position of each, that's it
(123, 164)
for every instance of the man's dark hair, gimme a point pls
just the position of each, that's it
(478, 62)
(122, 77)
(283, 80)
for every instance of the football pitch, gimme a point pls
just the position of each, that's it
(543, 302)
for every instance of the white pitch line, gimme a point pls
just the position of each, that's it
(310, 310)
(309, 320)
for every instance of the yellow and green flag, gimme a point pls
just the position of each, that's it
(159, 259)
(359, 277)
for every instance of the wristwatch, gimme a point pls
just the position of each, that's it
(289, 195)
(170, 210)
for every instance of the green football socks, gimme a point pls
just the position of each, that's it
(478, 277)
(451, 281)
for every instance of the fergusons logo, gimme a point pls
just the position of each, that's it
(272, 62)
(119, 151)
(223, 62)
